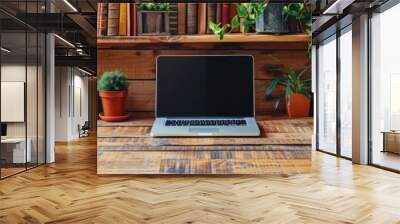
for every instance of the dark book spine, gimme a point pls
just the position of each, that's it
(202, 18)
(102, 11)
(211, 15)
(218, 17)
(134, 19)
(191, 18)
(181, 18)
(113, 19)
(173, 18)
(225, 13)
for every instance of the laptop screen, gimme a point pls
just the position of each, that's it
(3, 129)
(205, 86)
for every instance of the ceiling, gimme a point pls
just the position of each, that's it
(74, 21)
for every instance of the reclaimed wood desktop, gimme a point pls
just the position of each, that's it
(284, 147)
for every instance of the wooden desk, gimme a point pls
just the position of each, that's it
(13, 150)
(284, 147)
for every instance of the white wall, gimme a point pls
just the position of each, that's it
(71, 102)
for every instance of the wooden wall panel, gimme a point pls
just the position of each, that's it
(140, 67)
(141, 95)
(141, 64)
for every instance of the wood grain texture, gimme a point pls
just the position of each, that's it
(297, 41)
(128, 148)
(141, 64)
(330, 191)
(203, 162)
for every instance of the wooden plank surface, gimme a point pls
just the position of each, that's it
(299, 40)
(127, 148)
(203, 162)
(141, 64)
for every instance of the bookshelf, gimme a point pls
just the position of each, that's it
(291, 41)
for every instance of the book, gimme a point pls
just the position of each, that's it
(133, 19)
(181, 18)
(128, 19)
(173, 18)
(102, 9)
(122, 19)
(202, 18)
(232, 13)
(225, 13)
(211, 15)
(113, 19)
(218, 17)
(191, 18)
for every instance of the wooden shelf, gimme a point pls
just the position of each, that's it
(137, 41)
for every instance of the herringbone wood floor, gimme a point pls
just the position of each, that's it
(69, 191)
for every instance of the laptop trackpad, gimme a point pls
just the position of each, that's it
(204, 130)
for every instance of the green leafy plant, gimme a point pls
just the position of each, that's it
(301, 13)
(247, 12)
(112, 81)
(294, 81)
(153, 6)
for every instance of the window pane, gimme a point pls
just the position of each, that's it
(346, 94)
(385, 84)
(327, 96)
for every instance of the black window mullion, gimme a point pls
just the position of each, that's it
(338, 100)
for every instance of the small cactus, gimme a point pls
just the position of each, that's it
(112, 81)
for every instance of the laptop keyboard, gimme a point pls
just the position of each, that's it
(225, 122)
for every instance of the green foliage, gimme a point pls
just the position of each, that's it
(112, 81)
(247, 12)
(293, 82)
(301, 13)
(153, 6)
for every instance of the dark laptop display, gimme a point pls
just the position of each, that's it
(205, 86)
(3, 129)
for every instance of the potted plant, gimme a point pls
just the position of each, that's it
(153, 18)
(301, 13)
(273, 19)
(297, 92)
(246, 14)
(113, 90)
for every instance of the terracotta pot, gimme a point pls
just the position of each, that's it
(298, 105)
(113, 102)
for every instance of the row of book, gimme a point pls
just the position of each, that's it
(121, 19)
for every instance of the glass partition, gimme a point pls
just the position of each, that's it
(327, 95)
(346, 92)
(14, 153)
(22, 88)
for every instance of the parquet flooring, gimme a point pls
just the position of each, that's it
(70, 191)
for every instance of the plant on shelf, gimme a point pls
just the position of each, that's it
(153, 6)
(153, 18)
(297, 91)
(246, 13)
(113, 90)
(302, 14)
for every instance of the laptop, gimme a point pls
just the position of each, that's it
(205, 96)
